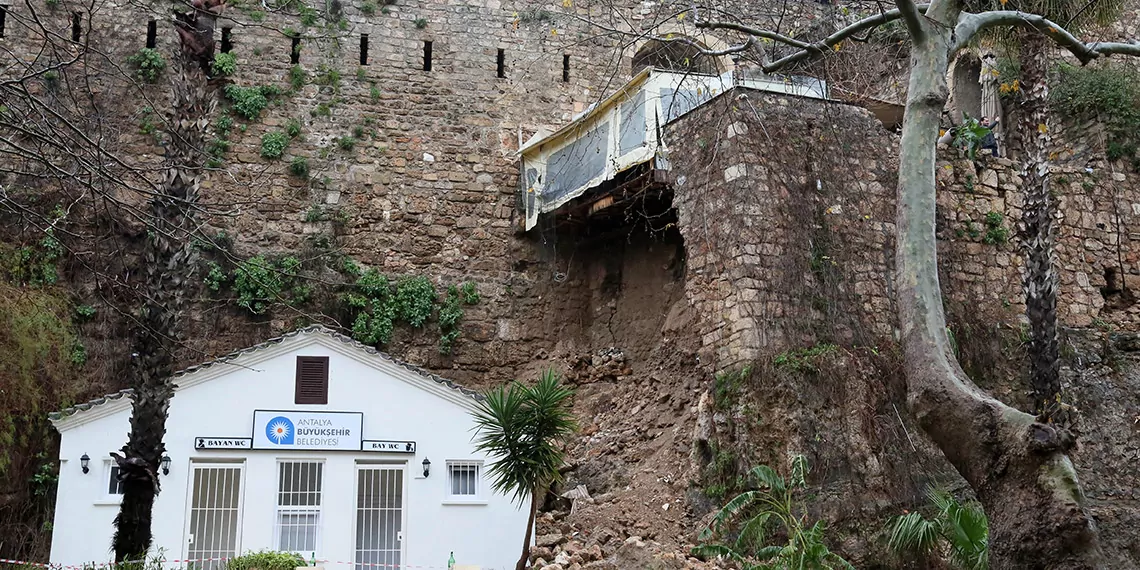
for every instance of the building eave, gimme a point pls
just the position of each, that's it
(80, 414)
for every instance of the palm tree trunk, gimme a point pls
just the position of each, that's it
(170, 264)
(1017, 466)
(1040, 278)
(521, 565)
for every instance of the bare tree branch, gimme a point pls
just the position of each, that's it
(912, 18)
(756, 33)
(823, 46)
(969, 25)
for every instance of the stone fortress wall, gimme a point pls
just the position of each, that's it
(428, 185)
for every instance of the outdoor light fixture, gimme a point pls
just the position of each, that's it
(427, 466)
(166, 464)
(85, 463)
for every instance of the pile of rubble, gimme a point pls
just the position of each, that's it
(605, 365)
(559, 546)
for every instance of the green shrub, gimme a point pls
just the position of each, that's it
(346, 143)
(802, 359)
(148, 64)
(293, 128)
(996, 234)
(273, 144)
(772, 509)
(215, 277)
(84, 312)
(299, 167)
(266, 560)
(368, 8)
(260, 283)
(420, 23)
(225, 64)
(297, 77)
(248, 102)
(1109, 93)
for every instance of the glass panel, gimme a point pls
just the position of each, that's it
(632, 135)
(570, 168)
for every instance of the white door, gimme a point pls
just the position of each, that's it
(214, 528)
(379, 516)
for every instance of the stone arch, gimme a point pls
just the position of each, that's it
(678, 56)
(965, 87)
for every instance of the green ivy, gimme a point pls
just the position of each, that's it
(1109, 93)
(215, 276)
(260, 283)
(378, 306)
(273, 144)
(33, 265)
(225, 65)
(299, 168)
(248, 102)
(297, 77)
(802, 359)
(293, 128)
(148, 64)
(996, 234)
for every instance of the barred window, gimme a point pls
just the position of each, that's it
(299, 506)
(463, 479)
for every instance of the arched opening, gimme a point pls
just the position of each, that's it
(681, 57)
(966, 91)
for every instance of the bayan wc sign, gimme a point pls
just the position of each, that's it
(293, 430)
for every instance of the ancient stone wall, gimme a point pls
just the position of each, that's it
(787, 208)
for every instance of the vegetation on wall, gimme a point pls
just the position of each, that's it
(149, 64)
(773, 507)
(958, 532)
(41, 356)
(1109, 93)
(225, 64)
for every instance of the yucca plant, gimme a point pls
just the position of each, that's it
(772, 506)
(959, 531)
(525, 429)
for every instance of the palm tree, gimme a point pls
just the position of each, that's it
(525, 430)
(770, 507)
(1040, 279)
(958, 531)
(170, 263)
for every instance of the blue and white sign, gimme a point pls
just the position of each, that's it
(288, 430)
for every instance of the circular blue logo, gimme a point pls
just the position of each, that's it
(280, 430)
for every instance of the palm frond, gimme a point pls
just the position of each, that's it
(913, 533)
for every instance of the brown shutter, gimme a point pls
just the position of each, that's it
(312, 380)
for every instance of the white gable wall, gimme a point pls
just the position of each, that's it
(397, 405)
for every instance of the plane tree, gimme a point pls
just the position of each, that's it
(1018, 466)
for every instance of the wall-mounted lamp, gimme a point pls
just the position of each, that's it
(166, 464)
(85, 463)
(427, 467)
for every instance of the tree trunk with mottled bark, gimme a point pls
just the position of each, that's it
(1017, 466)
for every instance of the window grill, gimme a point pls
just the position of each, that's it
(379, 516)
(463, 479)
(298, 526)
(215, 515)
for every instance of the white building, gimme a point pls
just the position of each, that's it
(311, 443)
